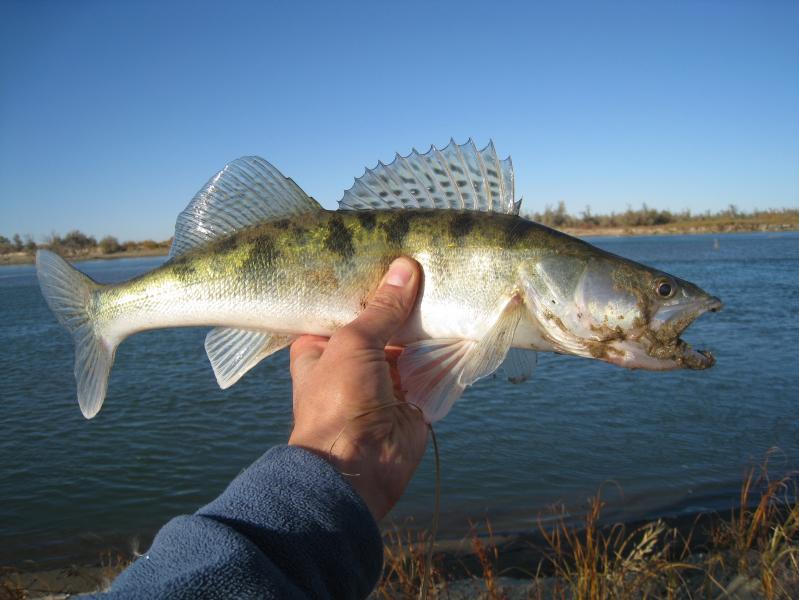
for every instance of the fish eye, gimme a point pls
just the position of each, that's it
(665, 288)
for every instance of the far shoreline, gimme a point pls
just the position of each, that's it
(687, 229)
(23, 258)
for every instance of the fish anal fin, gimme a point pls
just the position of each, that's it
(434, 373)
(233, 352)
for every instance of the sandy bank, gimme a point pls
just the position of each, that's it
(55, 584)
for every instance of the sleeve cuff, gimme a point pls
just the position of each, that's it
(298, 510)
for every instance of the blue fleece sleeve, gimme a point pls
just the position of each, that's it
(288, 527)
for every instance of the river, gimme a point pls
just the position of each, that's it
(168, 440)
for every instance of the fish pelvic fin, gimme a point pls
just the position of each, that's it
(69, 293)
(519, 364)
(434, 373)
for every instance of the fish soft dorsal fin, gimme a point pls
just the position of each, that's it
(456, 177)
(245, 192)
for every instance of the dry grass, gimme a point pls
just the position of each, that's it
(592, 562)
(761, 539)
(403, 566)
(753, 552)
(404, 563)
(11, 588)
(112, 563)
(488, 555)
(74, 579)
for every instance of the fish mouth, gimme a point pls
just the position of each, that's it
(679, 350)
(693, 359)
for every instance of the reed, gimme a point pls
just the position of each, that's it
(750, 552)
(11, 588)
(761, 537)
(488, 555)
(404, 557)
(592, 562)
(112, 563)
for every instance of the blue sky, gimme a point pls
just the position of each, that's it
(113, 114)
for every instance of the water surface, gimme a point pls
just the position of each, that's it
(168, 440)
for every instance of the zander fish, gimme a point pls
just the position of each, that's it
(262, 262)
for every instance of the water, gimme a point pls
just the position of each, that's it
(168, 440)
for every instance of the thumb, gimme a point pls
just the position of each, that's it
(390, 306)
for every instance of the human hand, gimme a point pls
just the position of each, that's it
(340, 385)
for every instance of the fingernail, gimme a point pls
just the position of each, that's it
(399, 273)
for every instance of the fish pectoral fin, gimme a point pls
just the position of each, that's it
(489, 352)
(233, 352)
(519, 364)
(434, 373)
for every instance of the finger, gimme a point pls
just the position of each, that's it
(396, 382)
(305, 352)
(388, 309)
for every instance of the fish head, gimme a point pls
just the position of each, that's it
(637, 315)
(606, 307)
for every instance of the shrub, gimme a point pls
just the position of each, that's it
(77, 241)
(109, 245)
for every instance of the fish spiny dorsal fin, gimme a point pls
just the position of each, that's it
(245, 192)
(456, 177)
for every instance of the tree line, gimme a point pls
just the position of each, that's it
(76, 243)
(16, 244)
(559, 217)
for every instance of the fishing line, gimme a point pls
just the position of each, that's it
(428, 562)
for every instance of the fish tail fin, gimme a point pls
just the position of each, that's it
(68, 293)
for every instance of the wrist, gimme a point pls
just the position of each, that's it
(355, 473)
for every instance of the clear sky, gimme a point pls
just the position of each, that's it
(113, 114)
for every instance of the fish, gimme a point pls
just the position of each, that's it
(261, 263)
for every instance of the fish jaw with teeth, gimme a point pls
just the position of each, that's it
(662, 340)
(602, 306)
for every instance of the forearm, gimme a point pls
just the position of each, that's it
(289, 526)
